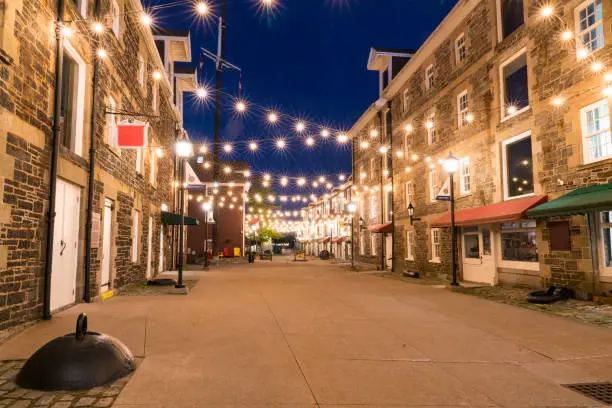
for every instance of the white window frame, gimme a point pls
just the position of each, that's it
(135, 234)
(586, 136)
(77, 146)
(116, 18)
(432, 135)
(429, 77)
(463, 111)
(435, 245)
(155, 97)
(500, 28)
(579, 33)
(465, 176)
(410, 245)
(528, 266)
(111, 122)
(373, 249)
(361, 207)
(409, 193)
(460, 49)
(407, 144)
(406, 95)
(153, 169)
(433, 185)
(139, 157)
(373, 205)
(82, 7)
(141, 70)
(505, 180)
(502, 86)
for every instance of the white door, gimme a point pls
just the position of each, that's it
(478, 258)
(107, 256)
(161, 248)
(389, 250)
(65, 244)
(150, 248)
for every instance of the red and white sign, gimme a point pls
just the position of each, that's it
(132, 135)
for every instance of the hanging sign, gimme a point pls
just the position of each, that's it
(444, 194)
(132, 134)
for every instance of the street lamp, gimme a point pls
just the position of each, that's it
(451, 164)
(352, 208)
(183, 149)
(206, 207)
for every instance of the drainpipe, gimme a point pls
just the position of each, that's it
(59, 67)
(92, 161)
(392, 203)
(382, 196)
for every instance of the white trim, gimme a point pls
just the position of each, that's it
(505, 143)
(153, 169)
(116, 18)
(77, 146)
(458, 59)
(373, 209)
(585, 133)
(431, 131)
(408, 193)
(430, 77)
(409, 245)
(433, 187)
(500, 26)
(462, 114)
(139, 161)
(502, 85)
(405, 96)
(82, 7)
(141, 70)
(578, 32)
(433, 233)
(462, 188)
(135, 235)
(606, 271)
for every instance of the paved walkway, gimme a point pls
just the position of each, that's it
(298, 335)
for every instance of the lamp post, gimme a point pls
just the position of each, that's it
(184, 149)
(451, 164)
(352, 208)
(206, 207)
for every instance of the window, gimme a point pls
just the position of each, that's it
(73, 100)
(596, 136)
(372, 169)
(116, 15)
(589, 27)
(409, 245)
(406, 99)
(154, 97)
(432, 136)
(373, 209)
(515, 85)
(429, 77)
(135, 234)
(511, 13)
(407, 143)
(518, 166)
(519, 241)
(435, 245)
(409, 193)
(361, 245)
(389, 206)
(433, 185)
(141, 70)
(373, 249)
(462, 109)
(471, 243)
(111, 122)
(606, 236)
(465, 185)
(460, 49)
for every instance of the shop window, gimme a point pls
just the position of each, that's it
(589, 27)
(518, 166)
(435, 245)
(519, 241)
(460, 49)
(373, 249)
(606, 231)
(559, 233)
(596, 136)
(465, 180)
(410, 245)
(515, 85)
(471, 242)
(433, 185)
(462, 109)
(73, 100)
(429, 77)
(512, 16)
(409, 193)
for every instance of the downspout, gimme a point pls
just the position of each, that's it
(92, 162)
(383, 157)
(59, 68)
(392, 204)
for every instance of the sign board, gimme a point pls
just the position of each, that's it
(132, 134)
(444, 194)
(95, 230)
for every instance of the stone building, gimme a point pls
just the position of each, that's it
(518, 91)
(119, 226)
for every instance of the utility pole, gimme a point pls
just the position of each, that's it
(217, 147)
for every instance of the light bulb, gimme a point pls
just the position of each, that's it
(146, 19)
(227, 148)
(324, 133)
(240, 106)
(97, 28)
(202, 8)
(102, 53)
(253, 146)
(272, 117)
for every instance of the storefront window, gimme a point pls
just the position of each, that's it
(519, 241)
(606, 224)
(471, 245)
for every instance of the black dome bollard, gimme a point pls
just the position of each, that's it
(79, 360)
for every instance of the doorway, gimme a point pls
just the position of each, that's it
(389, 250)
(65, 244)
(107, 245)
(478, 257)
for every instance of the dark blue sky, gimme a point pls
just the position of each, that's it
(309, 60)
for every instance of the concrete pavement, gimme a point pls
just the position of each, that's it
(296, 335)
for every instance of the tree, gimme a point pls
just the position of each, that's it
(263, 235)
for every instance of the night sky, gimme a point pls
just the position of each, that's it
(307, 59)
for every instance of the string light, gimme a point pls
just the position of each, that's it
(227, 148)
(202, 93)
(281, 144)
(272, 117)
(203, 149)
(547, 11)
(67, 31)
(253, 146)
(324, 133)
(373, 133)
(596, 66)
(300, 127)
(567, 35)
(146, 19)
(241, 106)
(202, 8)
(102, 53)
(364, 144)
(558, 101)
(408, 128)
(342, 138)
(310, 141)
(97, 28)
(157, 75)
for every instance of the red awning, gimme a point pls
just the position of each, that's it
(491, 214)
(381, 228)
(338, 240)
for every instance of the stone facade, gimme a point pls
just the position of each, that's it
(27, 76)
(555, 131)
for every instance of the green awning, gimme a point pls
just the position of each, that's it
(580, 201)
(175, 219)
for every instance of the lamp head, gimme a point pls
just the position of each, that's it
(183, 148)
(410, 210)
(451, 164)
(352, 208)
